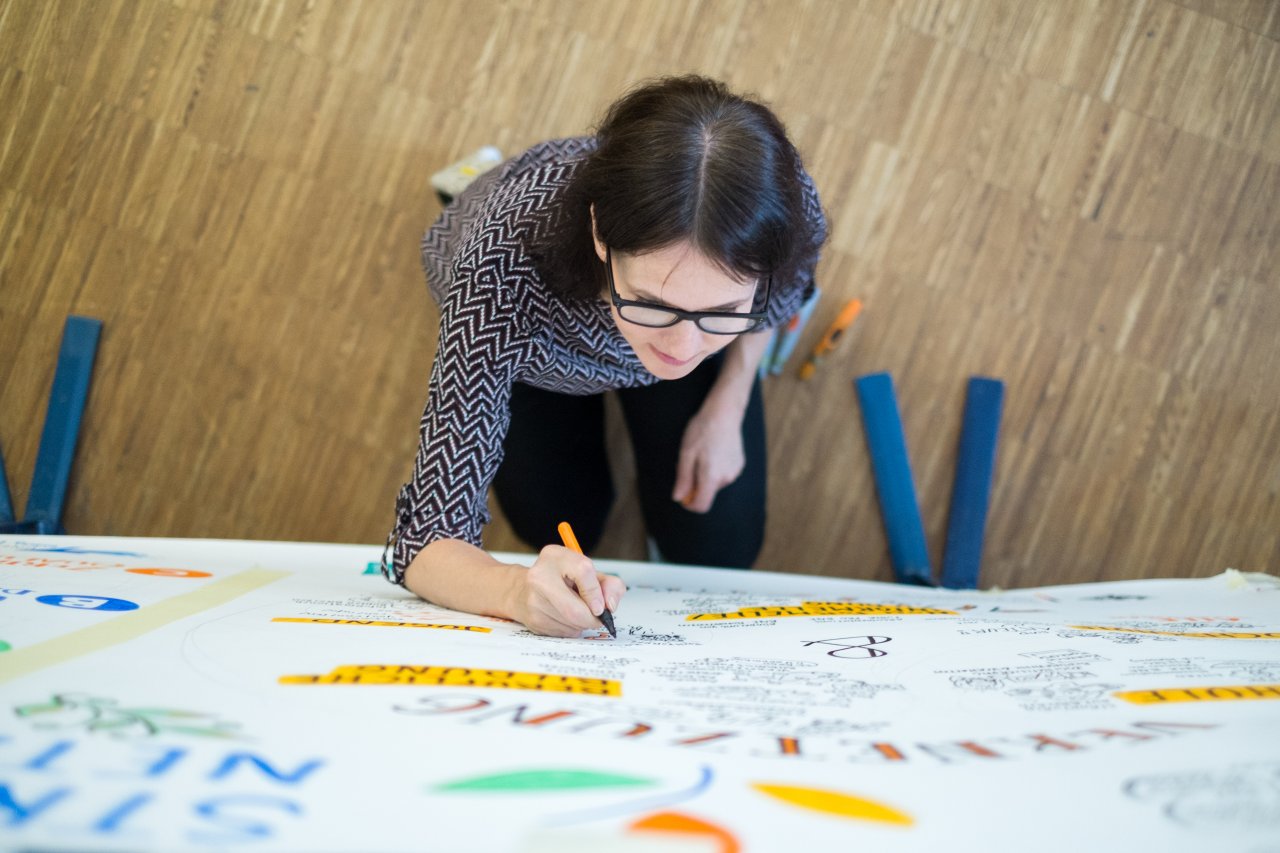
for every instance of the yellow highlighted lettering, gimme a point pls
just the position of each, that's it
(819, 608)
(477, 628)
(456, 676)
(1165, 695)
(1203, 635)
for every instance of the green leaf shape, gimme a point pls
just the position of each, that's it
(543, 779)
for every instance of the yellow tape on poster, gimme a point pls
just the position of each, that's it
(128, 626)
(1234, 693)
(818, 608)
(1203, 635)
(375, 623)
(458, 676)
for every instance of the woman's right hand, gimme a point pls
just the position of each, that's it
(562, 594)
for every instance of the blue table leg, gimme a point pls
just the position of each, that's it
(62, 424)
(971, 494)
(891, 466)
(6, 501)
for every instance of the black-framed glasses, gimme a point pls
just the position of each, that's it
(661, 316)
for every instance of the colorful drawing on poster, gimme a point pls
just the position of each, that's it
(819, 608)
(1234, 693)
(675, 824)
(135, 744)
(380, 624)
(171, 573)
(131, 625)
(636, 806)
(835, 803)
(71, 549)
(4, 647)
(1199, 635)
(87, 602)
(96, 714)
(373, 568)
(543, 780)
(458, 676)
(65, 564)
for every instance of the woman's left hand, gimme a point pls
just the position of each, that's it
(711, 456)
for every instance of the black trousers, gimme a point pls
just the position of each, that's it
(555, 469)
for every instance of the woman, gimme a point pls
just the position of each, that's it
(646, 259)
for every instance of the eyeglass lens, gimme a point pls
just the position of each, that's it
(655, 317)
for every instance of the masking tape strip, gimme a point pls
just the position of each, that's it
(20, 662)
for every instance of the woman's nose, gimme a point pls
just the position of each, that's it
(684, 339)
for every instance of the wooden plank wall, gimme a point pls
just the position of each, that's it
(1081, 197)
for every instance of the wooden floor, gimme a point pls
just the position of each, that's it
(1080, 198)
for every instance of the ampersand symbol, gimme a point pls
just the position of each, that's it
(865, 649)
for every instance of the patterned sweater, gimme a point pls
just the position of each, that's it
(499, 324)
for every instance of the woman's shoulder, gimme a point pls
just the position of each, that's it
(553, 152)
(524, 193)
(815, 216)
(516, 209)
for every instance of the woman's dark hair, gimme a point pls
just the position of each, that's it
(682, 158)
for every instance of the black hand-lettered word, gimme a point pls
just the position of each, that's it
(852, 649)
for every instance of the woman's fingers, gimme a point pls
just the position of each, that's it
(565, 594)
(685, 486)
(613, 588)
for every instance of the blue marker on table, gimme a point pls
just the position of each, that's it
(789, 333)
(971, 493)
(899, 509)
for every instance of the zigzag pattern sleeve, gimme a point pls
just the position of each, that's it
(467, 412)
(789, 295)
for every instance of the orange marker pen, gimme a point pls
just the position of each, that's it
(847, 315)
(571, 542)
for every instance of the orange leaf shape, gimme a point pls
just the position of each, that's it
(688, 825)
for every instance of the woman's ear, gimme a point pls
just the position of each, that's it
(595, 236)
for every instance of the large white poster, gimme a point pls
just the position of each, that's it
(194, 695)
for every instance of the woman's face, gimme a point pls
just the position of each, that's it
(681, 277)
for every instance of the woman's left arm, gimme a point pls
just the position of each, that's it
(711, 455)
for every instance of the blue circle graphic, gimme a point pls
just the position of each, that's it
(87, 602)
